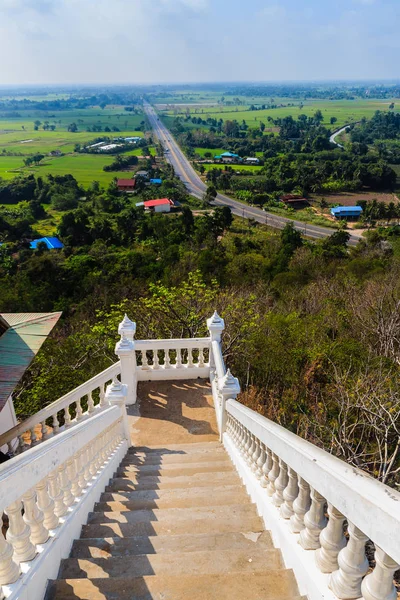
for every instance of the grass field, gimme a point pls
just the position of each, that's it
(346, 111)
(235, 168)
(214, 151)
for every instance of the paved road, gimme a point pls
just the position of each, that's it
(196, 187)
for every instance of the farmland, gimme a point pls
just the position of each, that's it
(20, 139)
(345, 111)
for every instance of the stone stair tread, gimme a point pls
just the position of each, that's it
(201, 562)
(225, 523)
(183, 498)
(173, 448)
(271, 585)
(167, 494)
(165, 544)
(150, 482)
(175, 469)
(170, 458)
(171, 514)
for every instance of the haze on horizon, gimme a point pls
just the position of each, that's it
(147, 41)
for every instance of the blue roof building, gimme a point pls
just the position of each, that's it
(346, 212)
(156, 181)
(52, 243)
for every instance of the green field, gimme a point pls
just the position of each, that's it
(214, 151)
(235, 168)
(346, 111)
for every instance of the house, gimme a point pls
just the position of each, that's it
(294, 201)
(228, 157)
(156, 181)
(346, 212)
(159, 205)
(250, 160)
(132, 140)
(126, 185)
(142, 175)
(21, 336)
(52, 243)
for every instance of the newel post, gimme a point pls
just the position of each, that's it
(125, 350)
(228, 388)
(215, 326)
(116, 394)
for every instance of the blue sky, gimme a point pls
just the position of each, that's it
(142, 41)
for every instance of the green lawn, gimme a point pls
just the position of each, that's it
(214, 151)
(235, 168)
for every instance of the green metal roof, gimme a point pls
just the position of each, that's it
(19, 344)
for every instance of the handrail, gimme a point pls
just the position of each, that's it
(370, 505)
(219, 363)
(60, 404)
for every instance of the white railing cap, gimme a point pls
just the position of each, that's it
(124, 346)
(229, 384)
(216, 323)
(127, 326)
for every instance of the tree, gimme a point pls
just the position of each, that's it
(333, 120)
(72, 127)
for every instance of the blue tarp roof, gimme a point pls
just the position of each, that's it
(51, 242)
(346, 211)
(156, 181)
(230, 154)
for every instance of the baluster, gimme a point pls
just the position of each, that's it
(67, 418)
(300, 506)
(93, 467)
(156, 362)
(240, 438)
(290, 494)
(45, 503)
(79, 411)
(45, 431)
(90, 403)
(80, 471)
(145, 362)
(272, 475)
(167, 360)
(88, 453)
(200, 363)
(247, 449)
(102, 396)
(56, 424)
(18, 534)
(10, 448)
(190, 357)
(9, 570)
(280, 484)
(22, 445)
(73, 477)
(34, 518)
(267, 466)
(260, 461)
(353, 564)
(56, 493)
(332, 541)
(178, 358)
(314, 522)
(65, 486)
(33, 436)
(256, 454)
(378, 585)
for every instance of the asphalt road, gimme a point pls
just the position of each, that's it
(196, 187)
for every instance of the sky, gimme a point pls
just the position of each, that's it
(169, 41)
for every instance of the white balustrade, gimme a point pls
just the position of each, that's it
(42, 492)
(295, 484)
(36, 429)
(170, 359)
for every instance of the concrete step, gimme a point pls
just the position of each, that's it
(140, 458)
(135, 482)
(171, 515)
(204, 562)
(175, 470)
(175, 448)
(176, 497)
(166, 544)
(230, 521)
(272, 585)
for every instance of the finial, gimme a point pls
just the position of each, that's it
(229, 383)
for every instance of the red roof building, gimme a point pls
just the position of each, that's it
(126, 185)
(160, 205)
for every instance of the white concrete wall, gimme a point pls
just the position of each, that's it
(8, 420)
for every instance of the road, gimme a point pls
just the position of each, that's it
(196, 187)
(332, 139)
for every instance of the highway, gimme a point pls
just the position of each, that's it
(196, 187)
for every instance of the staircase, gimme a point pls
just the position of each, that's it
(174, 523)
